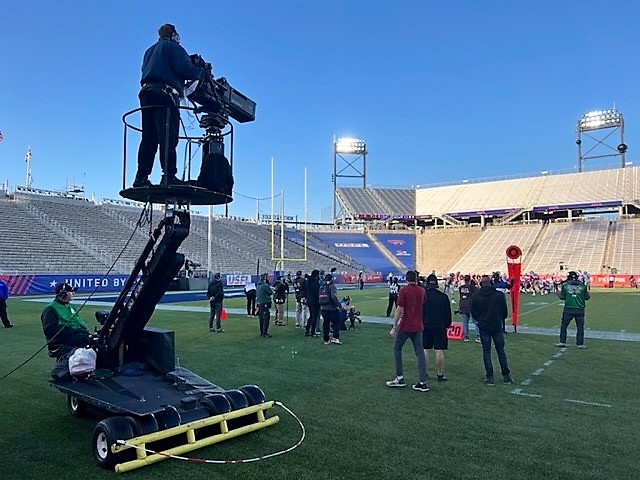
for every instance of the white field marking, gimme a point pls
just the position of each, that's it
(547, 363)
(519, 391)
(557, 354)
(592, 404)
(525, 382)
(538, 372)
(539, 308)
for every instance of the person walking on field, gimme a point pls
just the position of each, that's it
(408, 325)
(575, 294)
(489, 308)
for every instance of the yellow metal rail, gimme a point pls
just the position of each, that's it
(143, 459)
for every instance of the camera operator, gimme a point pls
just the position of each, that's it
(63, 327)
(165, 68)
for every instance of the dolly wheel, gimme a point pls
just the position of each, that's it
(76, 407)
(105, 434)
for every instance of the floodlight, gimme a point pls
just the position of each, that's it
(610, 120)
(350, 145)
(600, 119)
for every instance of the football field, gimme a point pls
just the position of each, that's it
(571, 414)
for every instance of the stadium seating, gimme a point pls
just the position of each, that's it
(626, 247)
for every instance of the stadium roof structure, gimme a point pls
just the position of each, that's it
(501, 201)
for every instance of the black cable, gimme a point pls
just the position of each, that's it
(126, 245)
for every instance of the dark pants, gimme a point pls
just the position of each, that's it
(498, 341)
(263, 318)
(566, 320)
(251, 302)
(330, 318)
(314, 316)
(3, 312)
(214, 314)
(160, 127)
(393, 300)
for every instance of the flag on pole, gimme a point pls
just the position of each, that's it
(27, 156)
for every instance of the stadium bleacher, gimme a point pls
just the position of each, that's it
(553, 230)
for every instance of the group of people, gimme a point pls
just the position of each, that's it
(315, 294)
(423, 316)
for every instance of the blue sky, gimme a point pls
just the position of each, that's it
(440, 91)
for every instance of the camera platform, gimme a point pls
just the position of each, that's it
(190, 194)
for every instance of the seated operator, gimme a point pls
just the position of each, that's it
(63, 327)
(165, 68)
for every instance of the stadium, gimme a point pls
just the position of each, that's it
(152, 390)
(587, 221)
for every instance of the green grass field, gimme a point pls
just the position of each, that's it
(576, 415)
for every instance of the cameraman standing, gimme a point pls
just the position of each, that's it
(165, 67)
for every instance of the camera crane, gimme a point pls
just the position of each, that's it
(149, 402)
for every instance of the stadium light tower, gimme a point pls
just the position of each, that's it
(611, 121)
(349, 161)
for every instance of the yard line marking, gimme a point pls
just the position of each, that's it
(539, 308)
(519, 391)
(547, 363)
(526, 382)
(556, 355)
(538, 372)
(593, 404)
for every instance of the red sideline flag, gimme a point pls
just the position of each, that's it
(514, 265)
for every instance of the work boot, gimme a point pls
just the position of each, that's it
(141, 181)
(172, 181)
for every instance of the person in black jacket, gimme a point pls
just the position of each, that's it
(215, 294)
(436, 318)
(165, 68)
(489, 309)
(312, 287)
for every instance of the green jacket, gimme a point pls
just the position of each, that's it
(263, 293)
(575, 294)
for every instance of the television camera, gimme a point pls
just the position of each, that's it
(217, 100)
(216, 97)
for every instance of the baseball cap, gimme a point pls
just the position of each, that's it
(64, 288)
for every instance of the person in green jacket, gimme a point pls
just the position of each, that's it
(263, 299)
(63, 327)
(575, 294)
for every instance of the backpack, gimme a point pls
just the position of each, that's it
(324, 297)
(215, 174)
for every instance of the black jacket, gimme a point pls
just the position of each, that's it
(436, 310)
(489, 309)
(215, 290)
(168, 63)
(313, 291)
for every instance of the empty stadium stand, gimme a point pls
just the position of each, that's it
(358, 246)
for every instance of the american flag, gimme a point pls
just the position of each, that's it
(27, 156)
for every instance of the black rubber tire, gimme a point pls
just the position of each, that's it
(105, 434)
(236, 399)
(143, 425)
(167, 418)
(77, 408)
(253, 393)
(216, 403)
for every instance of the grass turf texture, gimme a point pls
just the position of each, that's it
(357, 427)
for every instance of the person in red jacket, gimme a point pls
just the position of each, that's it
(408, 325)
